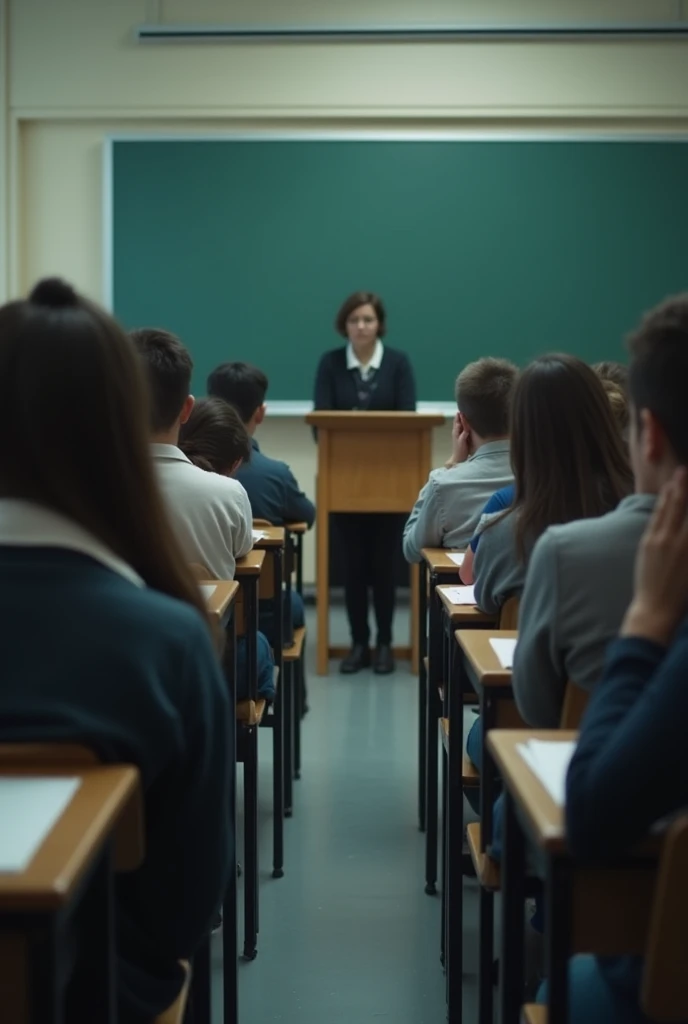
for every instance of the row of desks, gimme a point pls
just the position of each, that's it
(101, 831)
(601, 909)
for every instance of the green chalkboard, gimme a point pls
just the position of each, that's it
(245, 248)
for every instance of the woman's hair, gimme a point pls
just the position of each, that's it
(354, 302)
(74, 431)
(614, 378)
(567, 453)
(214, 438)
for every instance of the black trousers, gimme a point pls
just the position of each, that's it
(371, 546)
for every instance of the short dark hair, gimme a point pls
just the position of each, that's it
(74, 433)
(352, 303)
(659, 370)
(167, 366)
(483, 394)
(241, 385)
(213, 437)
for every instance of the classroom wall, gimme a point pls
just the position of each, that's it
(70, 74)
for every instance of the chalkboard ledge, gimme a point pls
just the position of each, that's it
(303, 408)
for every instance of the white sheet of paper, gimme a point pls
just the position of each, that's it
(257, 535)
(28, 810)
(504, 649)
(459, 595)
(457, 557)
(207, 590)
(549, 760)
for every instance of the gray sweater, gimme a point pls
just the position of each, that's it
(449, 506)
(498, 572)
(578, 586)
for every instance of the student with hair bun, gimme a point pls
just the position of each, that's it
(122, 660)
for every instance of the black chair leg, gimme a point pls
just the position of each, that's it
(288, 738)
(278, 784)
(485, 970)
(298, 713)
(251, 844)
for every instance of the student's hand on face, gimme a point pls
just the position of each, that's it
(660, 601)
(461, 441)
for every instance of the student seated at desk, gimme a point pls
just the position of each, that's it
(104, 639)
(614, 378)
(630, 770)
(215, 439)
(270, 484)
(580, 577)
(210, 513)
(568, 462)
(448, 507)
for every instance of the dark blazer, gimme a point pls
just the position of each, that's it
(130, 673)
(395, 386)
(273, 491)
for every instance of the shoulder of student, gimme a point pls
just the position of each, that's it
(602, 537)
(218, 488)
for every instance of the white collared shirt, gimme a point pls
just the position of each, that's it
(27, 524)
(353, 363)
(210, 514)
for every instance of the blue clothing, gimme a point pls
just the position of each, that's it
(265, 685)
(636, 716)
(273, 491)
(499, 501)
(131, 674)
(294, 617)
(593, 999)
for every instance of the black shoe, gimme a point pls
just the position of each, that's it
(383, 662)
(357, 658)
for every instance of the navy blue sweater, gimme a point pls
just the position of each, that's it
(637, 717)
(394, 390)
(273, 491)
(88, 657)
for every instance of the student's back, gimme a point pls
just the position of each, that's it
(104, 638)
(578, 586)
(90, 658)
(449, 505)
(270, 484)
(210, 512)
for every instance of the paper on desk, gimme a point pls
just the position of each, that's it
(207, 590)
(28, 810)
(549, 760)
(457, 557)
(257, 535)
(459, 595)
(504, 649)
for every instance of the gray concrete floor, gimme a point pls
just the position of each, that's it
(348, 935)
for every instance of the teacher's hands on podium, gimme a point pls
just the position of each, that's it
(461, 442)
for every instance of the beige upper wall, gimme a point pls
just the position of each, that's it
(79, 56)
(396, 12)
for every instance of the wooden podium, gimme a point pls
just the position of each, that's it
(367, 462)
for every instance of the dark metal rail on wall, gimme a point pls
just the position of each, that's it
(412, 33)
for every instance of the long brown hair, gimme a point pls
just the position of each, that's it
(213, 437)
(74, 431)
(566, 450)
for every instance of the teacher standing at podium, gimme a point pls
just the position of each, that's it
(367, 375)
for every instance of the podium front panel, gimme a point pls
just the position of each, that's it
(375, 472)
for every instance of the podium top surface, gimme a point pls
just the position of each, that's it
(358, 420)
